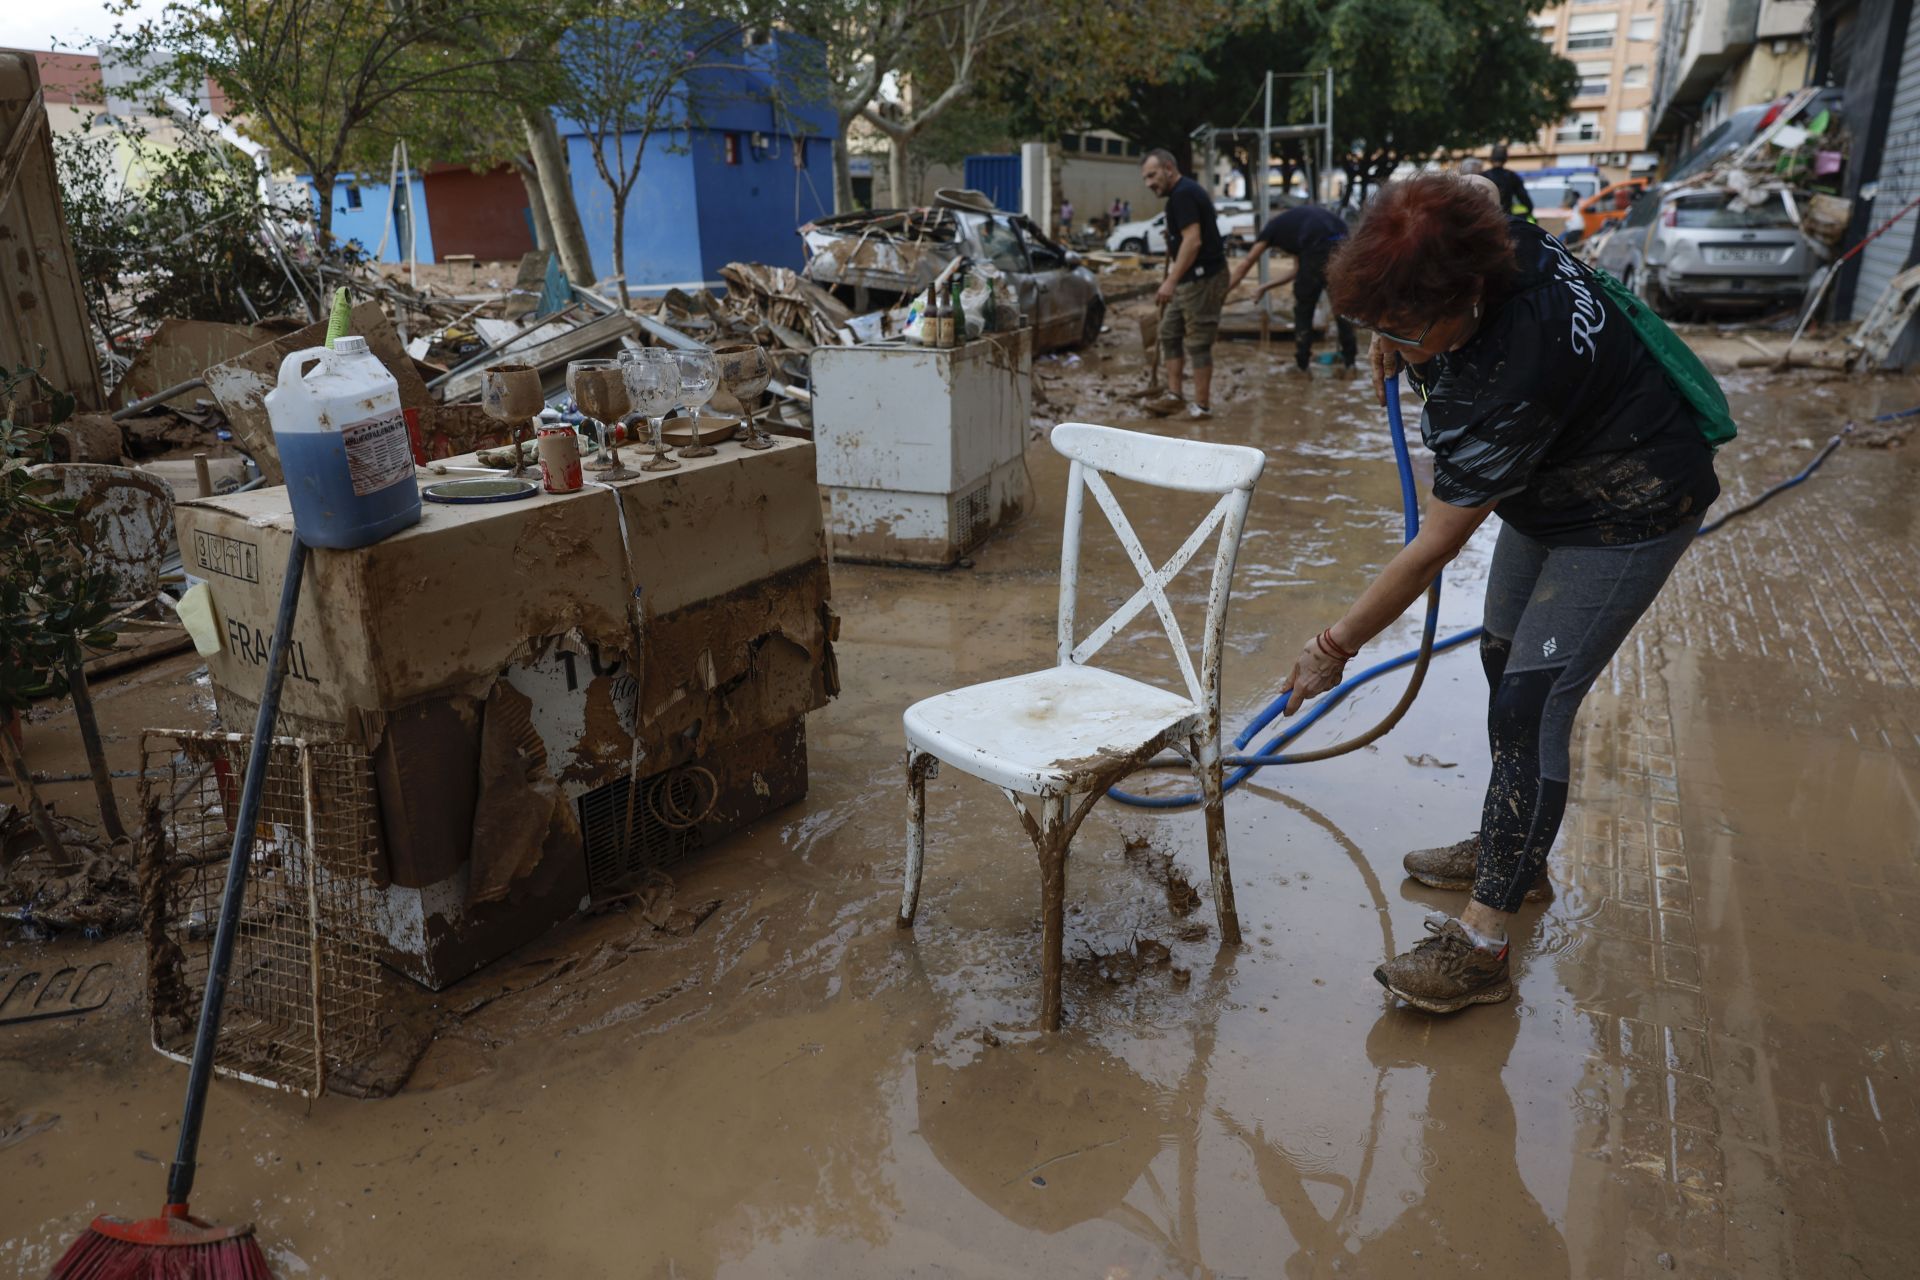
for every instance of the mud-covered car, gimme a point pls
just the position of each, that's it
(878, 258)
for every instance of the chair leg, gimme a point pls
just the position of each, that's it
(1053, 906)
(1208, 769)
(920, 766)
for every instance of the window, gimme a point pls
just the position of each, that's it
(733, 148)
(1003, 247)
(1593, 79)
(799, 152)
(1116, 146)
(1591, 31)
(1582, 127)
(1630, 122)
(1641, 28)
(353, 197)
(1634, 77)
(1717, 213)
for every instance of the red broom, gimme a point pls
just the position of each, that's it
(175, 1245)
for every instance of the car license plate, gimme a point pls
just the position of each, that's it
(1741, 255)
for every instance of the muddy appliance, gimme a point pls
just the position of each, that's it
(922, 450)
(555, 695)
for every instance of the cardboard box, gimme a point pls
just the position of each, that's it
(488, 661)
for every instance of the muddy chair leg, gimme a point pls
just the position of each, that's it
(920, 767)
(1053, 906)
(1207, 767)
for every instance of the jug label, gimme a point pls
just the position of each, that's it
(377, 453)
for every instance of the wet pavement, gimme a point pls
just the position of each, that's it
(1709, 1069)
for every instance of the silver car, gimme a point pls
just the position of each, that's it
(877, 258)
(1695, 249)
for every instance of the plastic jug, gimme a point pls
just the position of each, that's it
(343, 446)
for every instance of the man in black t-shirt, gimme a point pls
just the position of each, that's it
(1308, 233)
(1196, 285)
(1513, 192)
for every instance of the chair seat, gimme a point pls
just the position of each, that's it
(1047, 732)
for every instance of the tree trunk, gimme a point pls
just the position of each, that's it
(323, 220)
(536, 202)
(550, 157)
(897, 171)
(23, 782)
(96, 754)
(620, 245)
(842, 172)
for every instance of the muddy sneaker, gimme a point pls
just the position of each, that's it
(1453, 867)
(1446, 972)
(1199, 411)
(1164, 405)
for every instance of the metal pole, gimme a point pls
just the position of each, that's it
(1329, 122)
(1261, 205)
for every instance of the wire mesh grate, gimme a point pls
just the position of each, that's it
(303, 994)
(622, 848)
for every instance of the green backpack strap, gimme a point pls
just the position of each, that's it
(1683, 368)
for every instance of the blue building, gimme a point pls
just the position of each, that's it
(364, 206)
(745, 159)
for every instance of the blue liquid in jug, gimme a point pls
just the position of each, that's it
(326, 511)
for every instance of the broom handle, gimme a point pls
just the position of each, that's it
(200, 1076)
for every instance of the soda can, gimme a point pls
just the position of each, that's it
(559, 458)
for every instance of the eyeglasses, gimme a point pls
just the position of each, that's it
(1391, 336)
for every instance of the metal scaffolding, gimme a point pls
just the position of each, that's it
(1320, 159)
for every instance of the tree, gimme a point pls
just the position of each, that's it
(308, 76)
(633, 69)
(864, 42)
(54, 611)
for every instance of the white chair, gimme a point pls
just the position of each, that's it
(1073, 730)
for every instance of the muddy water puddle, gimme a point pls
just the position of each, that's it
(1708, 1071)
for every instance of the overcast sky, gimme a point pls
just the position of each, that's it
(36, 24)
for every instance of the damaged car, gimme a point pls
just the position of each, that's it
(876, 259)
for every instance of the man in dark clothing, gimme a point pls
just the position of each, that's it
(1513, 192)
(1196, 283)
(1308, 233)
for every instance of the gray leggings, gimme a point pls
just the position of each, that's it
(1554, 617)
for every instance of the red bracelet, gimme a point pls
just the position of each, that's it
(1331, 647)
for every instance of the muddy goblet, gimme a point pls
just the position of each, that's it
(512, 394)
(744, 371)
(653, 379)
(600, 389)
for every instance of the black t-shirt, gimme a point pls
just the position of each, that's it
(1304, 228)
(1513, 192)
(1556, 408)
(1187, 204)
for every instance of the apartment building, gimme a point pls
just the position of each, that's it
(1614, 45)
(1717, 56)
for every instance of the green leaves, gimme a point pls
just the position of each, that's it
(51, 605)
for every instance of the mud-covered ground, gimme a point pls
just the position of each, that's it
(1709, 1069)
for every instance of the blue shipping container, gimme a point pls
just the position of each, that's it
(998, 177)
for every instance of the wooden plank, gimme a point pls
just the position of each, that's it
(43, 321)
(602, 331)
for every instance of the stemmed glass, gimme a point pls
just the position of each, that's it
(511, 394)
(699, 379)
(601, 393)
(654, 380)
(745, 371)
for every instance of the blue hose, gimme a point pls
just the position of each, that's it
(1245, 766)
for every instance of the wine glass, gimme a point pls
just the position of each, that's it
(699, 379)
(511, 394)
(745, 371)
(600, 391)
(655, 382)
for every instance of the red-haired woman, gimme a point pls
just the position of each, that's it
(1543, 405)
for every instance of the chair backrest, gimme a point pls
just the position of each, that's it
(1193, 466)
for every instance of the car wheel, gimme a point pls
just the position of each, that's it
(1133, 244)
(1095, 321)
